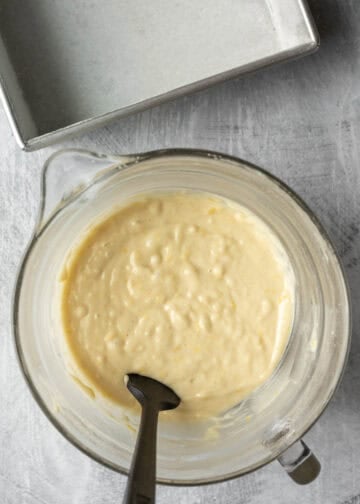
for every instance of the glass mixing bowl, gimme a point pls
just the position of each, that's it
(80, 186)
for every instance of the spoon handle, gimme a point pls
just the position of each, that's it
(141, 482)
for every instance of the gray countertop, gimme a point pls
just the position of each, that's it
(301, 121)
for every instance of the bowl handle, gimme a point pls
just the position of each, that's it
(300, 463)
(69, 172)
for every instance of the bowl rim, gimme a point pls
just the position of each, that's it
(135, 159)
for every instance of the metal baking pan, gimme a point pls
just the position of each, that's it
(67, 65)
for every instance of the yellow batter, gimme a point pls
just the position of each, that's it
(186, 288)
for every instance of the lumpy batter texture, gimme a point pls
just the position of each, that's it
(186, 288)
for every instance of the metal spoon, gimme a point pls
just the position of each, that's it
(153, 397)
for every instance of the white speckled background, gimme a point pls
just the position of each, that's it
(302, 122)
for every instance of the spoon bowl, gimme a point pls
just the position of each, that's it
(152, 392)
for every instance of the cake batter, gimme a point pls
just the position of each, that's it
(187, 288)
